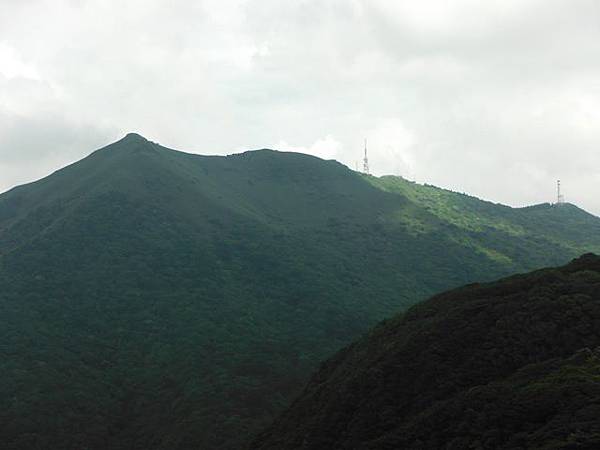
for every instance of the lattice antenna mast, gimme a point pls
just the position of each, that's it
(366, 161)
(560, 198)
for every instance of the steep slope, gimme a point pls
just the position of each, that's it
(504, 365)
(157, 299)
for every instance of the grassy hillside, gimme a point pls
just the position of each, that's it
(564, 224)
(507, 365)
(157, 299)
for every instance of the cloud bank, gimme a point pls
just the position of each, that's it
(497, 98)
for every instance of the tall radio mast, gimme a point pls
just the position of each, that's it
(560, 199)
(366, 161)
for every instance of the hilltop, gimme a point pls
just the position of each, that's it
(506, 365)
(158, 299)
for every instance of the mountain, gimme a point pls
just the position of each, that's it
(153, 299)
(512, 364)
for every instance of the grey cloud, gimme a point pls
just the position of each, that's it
(35, 146)
(495, 98)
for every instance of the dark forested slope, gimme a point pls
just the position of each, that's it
(513, 364)
(157, 299)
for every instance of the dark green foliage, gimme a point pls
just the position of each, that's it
(155, 299)
(505, 365)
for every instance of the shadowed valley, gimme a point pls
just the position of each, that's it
(513, 364)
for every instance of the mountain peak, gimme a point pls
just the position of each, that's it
(134, 137)
(131, 142)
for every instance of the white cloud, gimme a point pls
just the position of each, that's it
(324, 148)
(12, 66)
(393, 149)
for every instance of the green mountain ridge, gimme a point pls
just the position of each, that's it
(512, 364)
(158, 299)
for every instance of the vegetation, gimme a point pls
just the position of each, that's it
(156, 299)
(513, 364)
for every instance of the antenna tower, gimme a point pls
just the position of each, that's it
(366, 161)
(560, 199)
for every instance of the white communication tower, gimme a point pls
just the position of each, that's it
(560, 198)
(366, 160)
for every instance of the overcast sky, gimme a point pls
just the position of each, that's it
(498, 99)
